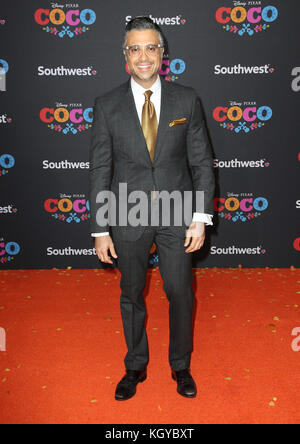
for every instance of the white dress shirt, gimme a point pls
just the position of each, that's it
(139, 99)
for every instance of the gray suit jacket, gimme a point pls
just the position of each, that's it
(183, 157)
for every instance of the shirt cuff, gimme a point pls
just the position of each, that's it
(201, 217)
(100, 234)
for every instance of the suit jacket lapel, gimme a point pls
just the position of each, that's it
(167, 109)
(130, 112)
(168, 101)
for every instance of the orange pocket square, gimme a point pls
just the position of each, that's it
(178, 122)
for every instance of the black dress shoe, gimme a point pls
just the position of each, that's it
(185, 384)
(126, 388)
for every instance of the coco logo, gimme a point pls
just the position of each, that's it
(67, 121)
(6, 163)
(4, 68)
(68, 208)
(8, 251)
(71, 23)
(296, 244)
(245, 117)
(170, 69)
(241, 20)
(243, 207)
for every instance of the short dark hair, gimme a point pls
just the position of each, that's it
(143, 22)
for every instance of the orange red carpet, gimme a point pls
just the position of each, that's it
(65, 348)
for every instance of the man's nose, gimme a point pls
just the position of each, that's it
(144, 55)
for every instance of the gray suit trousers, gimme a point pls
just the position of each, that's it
(176, 270)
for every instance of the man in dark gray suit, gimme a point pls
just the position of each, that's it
(150, 135)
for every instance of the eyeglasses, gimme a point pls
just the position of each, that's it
(135, 51)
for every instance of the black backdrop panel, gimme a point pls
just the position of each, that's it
(245, 70)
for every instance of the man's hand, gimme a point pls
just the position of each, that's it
(196, 232)
(103, 245)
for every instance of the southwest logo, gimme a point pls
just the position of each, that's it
(8, 209)
(164, 21)
(60, 23)
(243, 70)
(68, 208)
(62, 71)
(236, 163)
(4, 119)
(241, 20)
(67, 119)
(235, 250)
(240, 207)
(242, 117)
(69, 251)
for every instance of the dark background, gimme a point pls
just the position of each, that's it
(202, 43)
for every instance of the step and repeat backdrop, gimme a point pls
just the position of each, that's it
(241, 57)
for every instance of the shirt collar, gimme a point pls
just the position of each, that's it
(138, 89)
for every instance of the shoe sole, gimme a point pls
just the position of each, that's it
(187, 396)
(140, 380)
